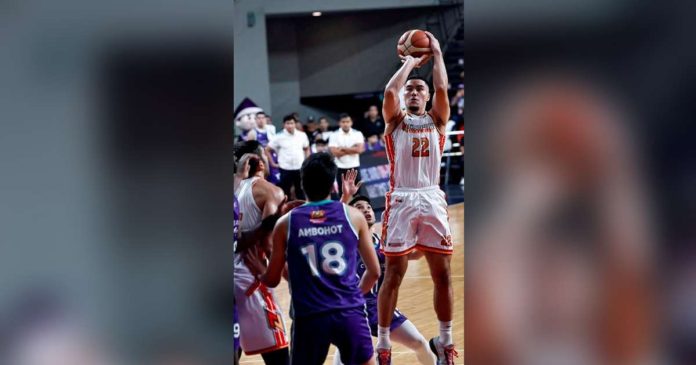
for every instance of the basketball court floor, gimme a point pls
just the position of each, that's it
(415, 299)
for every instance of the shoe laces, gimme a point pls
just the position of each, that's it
(450, 354)
(384, 355)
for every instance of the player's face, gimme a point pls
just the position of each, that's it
(261, 121)
(366, 209)
(346, 124)
(289, 126)
(416, 95)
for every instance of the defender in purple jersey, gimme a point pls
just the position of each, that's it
(402, 330)
(321, 241)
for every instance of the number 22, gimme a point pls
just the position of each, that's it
(421, 147)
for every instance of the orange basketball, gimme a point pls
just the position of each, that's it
(414, 42)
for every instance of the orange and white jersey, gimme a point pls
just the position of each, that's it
(414, 150)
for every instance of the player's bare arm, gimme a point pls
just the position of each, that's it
(272, 198)
(275, 269)
(391, 109)
(269, 157)
(366, 251)
(269, 150)
(440, 107)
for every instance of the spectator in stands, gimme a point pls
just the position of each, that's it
(373, 143)
(298, 122)
(312, 130)
(267, 124)
(373, 123)
(264, 132)
(292, 147)
(324, 128)
(346, 144)
(457, 103)
(321, 145)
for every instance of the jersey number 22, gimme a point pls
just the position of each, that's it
(421, 147)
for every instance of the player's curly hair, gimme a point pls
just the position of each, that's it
(242, 148)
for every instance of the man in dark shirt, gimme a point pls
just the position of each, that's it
(373, 123)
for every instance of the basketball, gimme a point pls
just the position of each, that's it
(414, 42)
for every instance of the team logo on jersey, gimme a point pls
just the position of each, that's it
(399, 199)
(447, 241)
(395, 244)
(317, 216)
(417, 128)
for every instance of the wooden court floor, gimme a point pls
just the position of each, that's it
(415, 299)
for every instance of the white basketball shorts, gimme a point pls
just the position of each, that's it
(261, 324)
(416, 219)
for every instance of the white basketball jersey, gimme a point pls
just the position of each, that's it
(250, 214)
(414, 150)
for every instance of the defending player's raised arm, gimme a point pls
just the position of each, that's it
(366, 251)
(350, 188)
(276, 266)
(441, 106)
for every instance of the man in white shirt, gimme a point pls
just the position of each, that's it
(292, 147)
(346, 144)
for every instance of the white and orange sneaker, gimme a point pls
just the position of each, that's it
(445, 354)
(384, 356)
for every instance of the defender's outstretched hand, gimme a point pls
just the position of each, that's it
(348, 182)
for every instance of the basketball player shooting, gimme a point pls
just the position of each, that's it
(416, 217)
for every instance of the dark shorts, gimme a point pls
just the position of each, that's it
(347, 329)
(397, 319)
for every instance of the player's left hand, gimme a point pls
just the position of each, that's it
(254, 262)
(243, 165)
(348, 182)
(434, 44)
(420, 61)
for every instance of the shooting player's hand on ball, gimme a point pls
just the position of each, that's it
(419, 61)
(434, 44)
